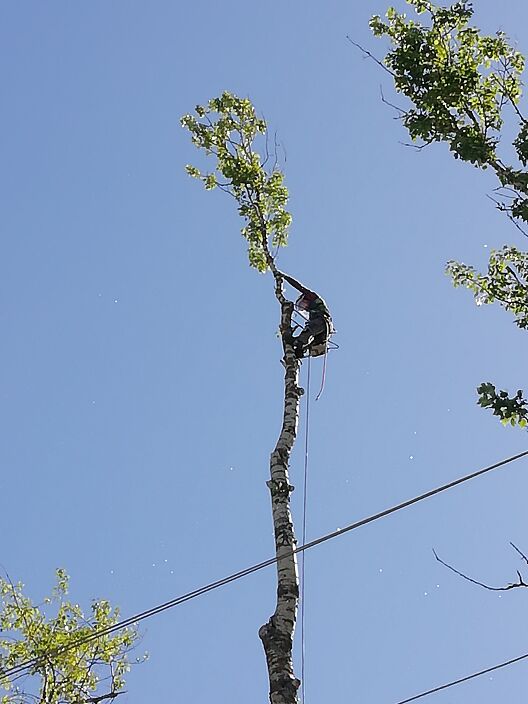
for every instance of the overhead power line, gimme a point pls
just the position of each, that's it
(463, 679)
(132, 620)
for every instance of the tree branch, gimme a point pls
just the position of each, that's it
(523, 556)
(418, 147)
(102, 697)
(520, 583)
(391, 105)
(504, 209)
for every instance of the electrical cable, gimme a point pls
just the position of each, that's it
(303, 557)
(132, 620)
(463, 679)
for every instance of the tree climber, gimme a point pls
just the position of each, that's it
(318, 328)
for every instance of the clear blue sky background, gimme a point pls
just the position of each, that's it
(141, 384)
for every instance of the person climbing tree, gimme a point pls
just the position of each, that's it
(227, 129)
(315, 334)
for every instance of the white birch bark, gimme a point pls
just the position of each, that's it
(277, 633)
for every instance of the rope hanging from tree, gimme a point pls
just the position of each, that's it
(303, 557)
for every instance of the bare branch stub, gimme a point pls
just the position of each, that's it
(513, 585)
(523, 556)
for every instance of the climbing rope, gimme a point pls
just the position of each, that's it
(305, 484)
(329, 345)
(323, 378)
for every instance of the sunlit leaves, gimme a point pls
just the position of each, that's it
(193, 171)
(521, 144)
(511, 410)
(457, 80)
(226, 129)
(44, 633)
(505, 282)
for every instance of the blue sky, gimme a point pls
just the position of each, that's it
(141, 384)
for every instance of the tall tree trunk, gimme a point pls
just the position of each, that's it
(277, 633)
(226, 128)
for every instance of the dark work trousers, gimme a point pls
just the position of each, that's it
(315, 326)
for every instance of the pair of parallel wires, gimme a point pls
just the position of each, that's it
(29, 665)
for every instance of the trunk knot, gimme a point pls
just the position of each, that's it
(279, 487)
(283, 454)
(284, 537)
(288, 590)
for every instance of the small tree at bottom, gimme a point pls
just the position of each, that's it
(66, 664)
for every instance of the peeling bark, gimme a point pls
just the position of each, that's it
(277, 633)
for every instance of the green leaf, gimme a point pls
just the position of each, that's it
(210, 182)
(192, 171)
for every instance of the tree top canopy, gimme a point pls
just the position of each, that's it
(226, 128)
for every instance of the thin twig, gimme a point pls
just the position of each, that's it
(506, 72)
(520, 553)
(391, 105)
(281, 145)
(275, 147)
(418, 147)
(371, 56)
(523, 232)
(266, 142)
(504, 209)
(506, 188)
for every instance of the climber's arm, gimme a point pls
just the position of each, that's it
(296, 284)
